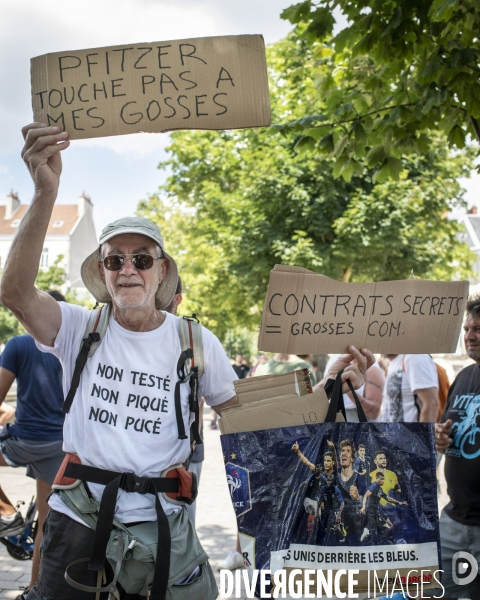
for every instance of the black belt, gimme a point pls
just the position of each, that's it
(130, 483)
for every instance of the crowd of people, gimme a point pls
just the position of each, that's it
(119, 441)
(406, 389)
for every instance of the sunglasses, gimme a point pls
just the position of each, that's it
(141, 262)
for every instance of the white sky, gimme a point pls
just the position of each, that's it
(118, 171)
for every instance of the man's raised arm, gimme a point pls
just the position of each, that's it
(38, 312)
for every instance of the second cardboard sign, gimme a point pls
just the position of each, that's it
(308, 313)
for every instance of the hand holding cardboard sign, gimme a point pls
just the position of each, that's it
(41, 153)
(354, 367)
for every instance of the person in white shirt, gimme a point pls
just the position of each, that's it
(369, 394)
(124, 422)
(411, 389)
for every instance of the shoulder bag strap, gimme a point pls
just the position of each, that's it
(336, 400)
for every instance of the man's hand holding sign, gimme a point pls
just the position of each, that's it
(354, 365)
(41, 154)
(39, 312)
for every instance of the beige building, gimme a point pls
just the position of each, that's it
(471, 236)
(71, 233)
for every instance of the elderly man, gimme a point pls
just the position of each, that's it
(126, 462)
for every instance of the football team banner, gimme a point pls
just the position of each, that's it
(335, 496)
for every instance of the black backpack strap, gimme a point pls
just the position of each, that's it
(183, 377)
(95, 330)
(194, 407)
(189, 368)
(79, 366)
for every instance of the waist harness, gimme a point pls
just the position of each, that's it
(177, 484)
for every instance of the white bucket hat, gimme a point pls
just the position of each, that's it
(91, 276)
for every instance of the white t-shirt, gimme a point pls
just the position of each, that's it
(123, 414)
(399, 402)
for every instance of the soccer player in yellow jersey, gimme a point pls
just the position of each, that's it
(391, 479)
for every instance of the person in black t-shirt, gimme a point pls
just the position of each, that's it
(240, 368)
(458, 436)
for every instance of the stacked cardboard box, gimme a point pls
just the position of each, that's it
(252, 389)
(274, 401)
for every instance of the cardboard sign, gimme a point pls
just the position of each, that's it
(308, 313)
(202, 83)
(285, 411)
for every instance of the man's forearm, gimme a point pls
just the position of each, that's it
(365, 498)
(21, 268)
(429, 413)
(430, 405)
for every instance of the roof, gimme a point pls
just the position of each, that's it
(65, 215)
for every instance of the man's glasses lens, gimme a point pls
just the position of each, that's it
(115, 262)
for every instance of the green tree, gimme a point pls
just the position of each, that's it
(400, 71)
(238, 202)
(52, 278)
(9, 325)
(49, 279)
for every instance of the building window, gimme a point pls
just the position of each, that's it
(44, 259)
(57, 223)
(15, 223)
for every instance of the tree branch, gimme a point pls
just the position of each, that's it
(476, 127)
(363, 116)
(347, 273)
(373, 112)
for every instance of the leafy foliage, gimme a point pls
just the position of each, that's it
(52, 278)
(9, 325)
(236, 203)
(400, 71)
(49, 279)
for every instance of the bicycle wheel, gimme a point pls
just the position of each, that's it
(18, 553)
